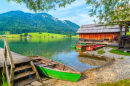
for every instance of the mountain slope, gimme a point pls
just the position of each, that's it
(19, 22)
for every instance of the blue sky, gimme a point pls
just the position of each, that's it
(77, 12)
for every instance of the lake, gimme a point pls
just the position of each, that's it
(57, 49)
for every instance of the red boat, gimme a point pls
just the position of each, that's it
(94, 47)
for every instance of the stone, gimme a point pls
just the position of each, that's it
(101, 55)
(125, 51)
(28, 85)
(92, 54)
(36, 83)
(49, 81)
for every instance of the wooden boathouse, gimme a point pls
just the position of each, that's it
(98, 32)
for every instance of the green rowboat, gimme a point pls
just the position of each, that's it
(55, 70)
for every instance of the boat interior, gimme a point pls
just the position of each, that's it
(53, 65)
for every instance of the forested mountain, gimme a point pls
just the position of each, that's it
(20, 22)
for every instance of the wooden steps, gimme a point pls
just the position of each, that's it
(25, 73)
(25, 82)
(21, 75)
(22, 68)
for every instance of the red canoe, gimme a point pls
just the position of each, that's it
(93, 47)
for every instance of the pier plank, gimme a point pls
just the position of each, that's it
(17, 58)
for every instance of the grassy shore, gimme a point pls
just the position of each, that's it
(119, 52)
(101, 52)
(40, 35)
(125, 82)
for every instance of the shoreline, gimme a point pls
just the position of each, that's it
(113, 71)
(39, 37)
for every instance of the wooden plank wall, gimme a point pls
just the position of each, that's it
(97, 36)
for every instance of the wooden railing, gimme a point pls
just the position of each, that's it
(8, 58)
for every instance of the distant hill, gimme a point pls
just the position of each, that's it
(20, 22)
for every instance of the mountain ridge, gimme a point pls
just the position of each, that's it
(20, 22)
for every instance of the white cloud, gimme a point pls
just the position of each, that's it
(21, 7)
(68, 18)
(86, 19)
(81, 19)
(55, 12)
(72, 5)
(77, 12)
(88, 7)
(13, 3)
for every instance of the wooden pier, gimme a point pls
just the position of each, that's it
(17, 58)
(101, 43)
(17, 68)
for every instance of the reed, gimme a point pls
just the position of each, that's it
(4, 80)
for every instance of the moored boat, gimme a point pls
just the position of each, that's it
(56, 70)
(94, 47)
(79, 46)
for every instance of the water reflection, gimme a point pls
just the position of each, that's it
(91, 61)
(58, 49)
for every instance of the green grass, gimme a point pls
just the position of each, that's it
(128, 33)
(119, 52)
(125, 82)
(4, 81)
(122, 58)
(7, 32)
(13, 36)
(101, 52)
(114, 47)
(44, 34)
(41, 35)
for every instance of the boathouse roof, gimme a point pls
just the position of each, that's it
(98, 28)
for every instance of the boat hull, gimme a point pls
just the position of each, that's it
(94, 47)
(58, 74)
(78, 47)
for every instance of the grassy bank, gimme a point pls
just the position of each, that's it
(119, 52)
(128, 33)
(125, 82)
(101, 52)
(40, 35)
(44, 34)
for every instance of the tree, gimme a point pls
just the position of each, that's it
(102, 9)
(43, 5)
(25, 34)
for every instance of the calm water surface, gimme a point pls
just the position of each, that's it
(57, 49)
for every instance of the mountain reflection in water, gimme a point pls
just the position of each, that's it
(57, 49)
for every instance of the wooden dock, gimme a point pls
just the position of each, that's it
(17, 68)
(101, 43)
(17, 58)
